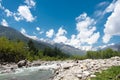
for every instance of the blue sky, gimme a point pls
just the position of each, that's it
(83, 24)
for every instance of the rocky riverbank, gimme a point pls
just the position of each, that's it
(84, 69)
(66, 70)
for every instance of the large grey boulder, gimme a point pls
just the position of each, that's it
(22, 63)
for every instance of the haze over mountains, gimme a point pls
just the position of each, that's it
(13, 34)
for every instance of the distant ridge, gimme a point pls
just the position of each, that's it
(13, 34)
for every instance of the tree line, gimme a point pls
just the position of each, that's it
(100, 54)
(16, 50)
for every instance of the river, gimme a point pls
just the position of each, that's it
(32, 73)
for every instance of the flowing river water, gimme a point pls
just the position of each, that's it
(32, 73)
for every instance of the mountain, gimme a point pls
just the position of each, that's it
(13, 34)
(69, 49)
(66, 48)
(115, 47)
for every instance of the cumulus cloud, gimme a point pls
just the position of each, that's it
(50, 33)
(61, 32)
(87, 48)
(37, 28)
(23, 12)
(104, 3)
(110, 8)
(107, 45)
(86, 29)
(8, 12)
(74, 41)
(23, 31)
(30, 3)
(60, 36)
(4, 23)
(112, 24)
(94, 38)
(86, 36)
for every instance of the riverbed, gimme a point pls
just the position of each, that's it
(58, 70)
(32, 73)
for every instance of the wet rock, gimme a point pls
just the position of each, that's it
(85, 69)
(22, 63)
(115, 58)
(92, 76)
(86, 73)
(79, 76)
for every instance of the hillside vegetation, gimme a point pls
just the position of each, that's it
(112, 73)
(101, 54)
(15, 50)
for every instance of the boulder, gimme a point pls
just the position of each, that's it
(22, 63)
(86, 73)
(115, 58)
(92, 76)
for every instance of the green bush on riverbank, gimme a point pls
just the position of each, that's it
(13, 51)
(101, 54)
(112, 73)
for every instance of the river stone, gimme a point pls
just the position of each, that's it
(92, 76)
(22, 63)
(86, 73)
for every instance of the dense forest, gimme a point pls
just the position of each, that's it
(15, 50)
(100, 54)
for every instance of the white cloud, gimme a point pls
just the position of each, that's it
(93, 39)
(104, 46)
(106, 38)
(8, 13)
(104, 3)
(23, 31)
(4, 23)
(60, 39)
(99, 14)
(61, 32)
(74, 41)
(112, 25)
(110, 8)
(86, 29)
(32, 37)
(25, 13)
(1, 7)
(87, 34)
(86, 48)
(41, 32)
(37, 28)
(86, 37)
(30, 3)
(60, 36)
(50, 33)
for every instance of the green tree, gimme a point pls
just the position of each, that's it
(32, 48)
